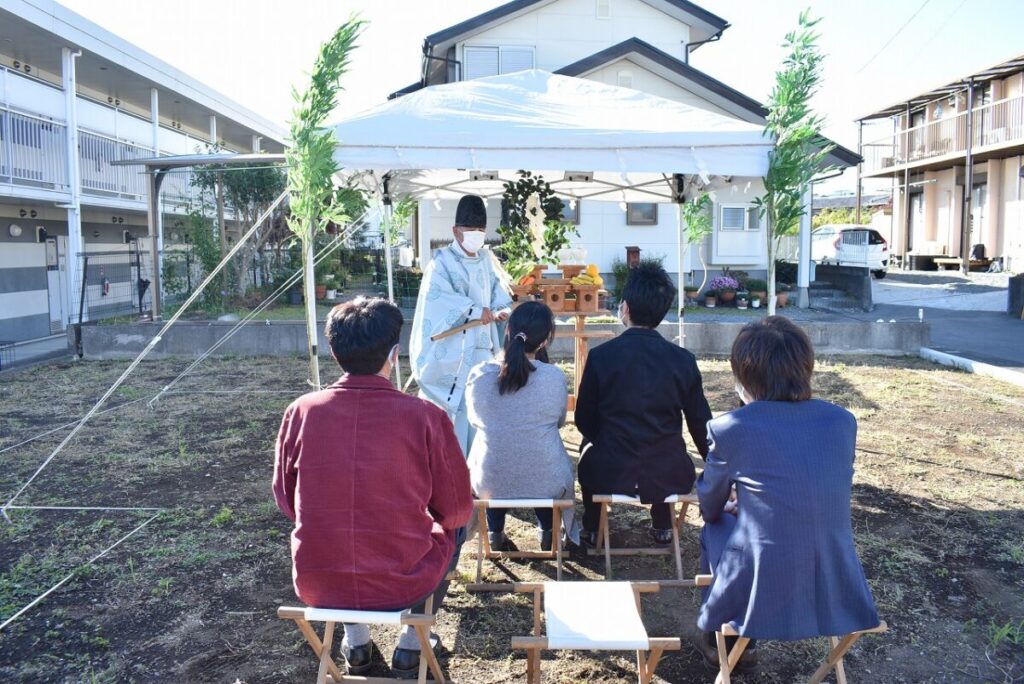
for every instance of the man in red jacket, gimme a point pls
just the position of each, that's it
(376, 483)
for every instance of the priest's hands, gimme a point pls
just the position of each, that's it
(488, 316)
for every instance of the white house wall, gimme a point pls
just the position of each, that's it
(648, 82)
(566, 31)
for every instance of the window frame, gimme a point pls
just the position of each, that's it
(500, 49)
(747, 207)
(569, 214)
(632, 220)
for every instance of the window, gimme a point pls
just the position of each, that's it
(603, 9)
(625, 79)
(641, 214)
(737, 217)
(571, 211)
(481, 61)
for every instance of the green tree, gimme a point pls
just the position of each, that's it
(696, 215)
(799, 150)
(840, 215)
(311, 167)
(249, 189)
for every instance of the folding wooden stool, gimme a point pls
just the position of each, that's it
(483, 546)
(329, 671)
(604, 535)
(591, 616)
(834, 660)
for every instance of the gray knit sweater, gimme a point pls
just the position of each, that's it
(517, 451)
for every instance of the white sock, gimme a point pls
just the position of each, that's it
(408, 639)
(356, 635)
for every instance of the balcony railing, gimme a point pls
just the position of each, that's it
(32, 151)
(995, 125)
(100, 177)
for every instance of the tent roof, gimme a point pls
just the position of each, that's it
(537, 120)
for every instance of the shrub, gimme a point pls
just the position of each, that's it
(757, 285)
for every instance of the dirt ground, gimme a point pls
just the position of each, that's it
(938, 513)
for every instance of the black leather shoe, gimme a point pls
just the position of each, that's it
(358, 658)
(497, 540)
(545, 539)
(405, 662)
(707, 647)
(661, 537)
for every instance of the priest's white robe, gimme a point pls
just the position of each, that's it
(456, 288)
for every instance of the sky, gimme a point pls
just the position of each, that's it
(878, 51)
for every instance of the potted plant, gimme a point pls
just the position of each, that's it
(742, 299)
(725, 286)
(691, 293)
(710, 298)
(755, 301)
(757, 288)
(782, 294)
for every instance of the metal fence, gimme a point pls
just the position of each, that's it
(113, 284)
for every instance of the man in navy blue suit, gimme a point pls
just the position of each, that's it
(633, 395)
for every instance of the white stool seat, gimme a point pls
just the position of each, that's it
(355, 617)
(672, 498)
(593, 615)
(519, 503)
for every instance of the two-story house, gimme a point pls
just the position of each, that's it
(73, 98)
(952, 152)
(640, 44)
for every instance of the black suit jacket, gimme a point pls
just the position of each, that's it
(633, 395)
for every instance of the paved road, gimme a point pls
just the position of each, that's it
(967, 315)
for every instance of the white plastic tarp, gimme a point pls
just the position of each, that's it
(433, 139)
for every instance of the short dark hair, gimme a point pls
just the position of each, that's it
(362, 332)
(773, 359)
(649, 292)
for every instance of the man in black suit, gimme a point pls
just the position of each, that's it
(633, 395)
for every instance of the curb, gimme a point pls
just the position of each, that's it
(971, 366)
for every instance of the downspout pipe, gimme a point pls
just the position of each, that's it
(428, 57)
(712, 39)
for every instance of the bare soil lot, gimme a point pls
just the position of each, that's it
(938, 513)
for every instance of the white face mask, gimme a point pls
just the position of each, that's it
(622, 315)
(741, 392)
(472, 240)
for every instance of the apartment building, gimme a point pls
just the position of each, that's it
(74, 98)
(955, 158)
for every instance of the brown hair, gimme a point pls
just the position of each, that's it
(773, 359)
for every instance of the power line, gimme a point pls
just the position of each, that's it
(898, 31)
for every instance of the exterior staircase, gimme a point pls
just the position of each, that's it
(825, 296)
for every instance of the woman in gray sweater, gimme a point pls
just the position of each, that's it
(517, 404)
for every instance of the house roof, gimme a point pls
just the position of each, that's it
(452, 34)
(1001, 70)
(636, 48)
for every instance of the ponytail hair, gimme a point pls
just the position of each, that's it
(530, 325)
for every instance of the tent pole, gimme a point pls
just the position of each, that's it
(680, 254)
(388, 221)
(309, 285)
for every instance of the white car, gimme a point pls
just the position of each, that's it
(850, 245)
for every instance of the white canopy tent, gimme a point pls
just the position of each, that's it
(588, 139)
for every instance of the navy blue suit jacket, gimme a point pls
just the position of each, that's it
(786, 567)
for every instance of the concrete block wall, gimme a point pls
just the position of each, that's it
(189, 339)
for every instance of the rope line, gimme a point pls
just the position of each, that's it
(260, 308)
(74, 572)
(65, 426)
(148, 348)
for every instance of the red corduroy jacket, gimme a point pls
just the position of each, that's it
(377, 484)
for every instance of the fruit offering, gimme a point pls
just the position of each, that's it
(591, 276)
